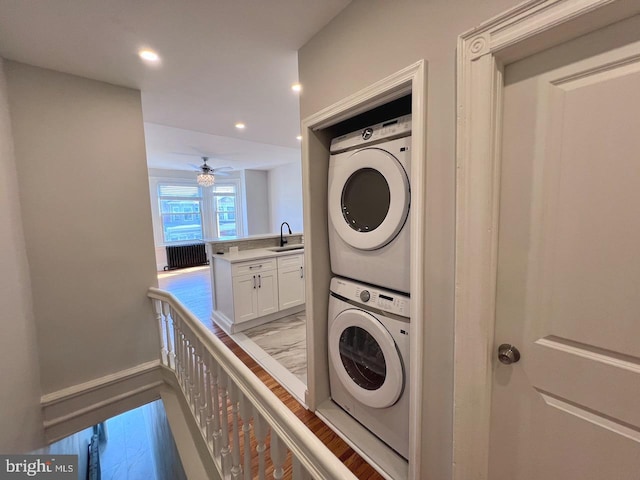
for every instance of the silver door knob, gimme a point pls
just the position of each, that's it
(508, 354)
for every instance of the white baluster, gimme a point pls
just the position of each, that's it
(197, 378)
(176, 345)
(185, 361)
(236, 471)
(217, 434)
(209, 399)
(158, 306)
(192, 372)
(260, 431)
(203, 387)
(278, 455)
(166, 313)
(187, 366)
(176, 339)
(182, 355)
(171, 356)
(245, 413)
(299, 472)
(225, 451)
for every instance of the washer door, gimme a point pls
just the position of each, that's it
(366, 358)
(369, 198)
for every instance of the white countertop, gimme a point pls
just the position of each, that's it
(254, 254)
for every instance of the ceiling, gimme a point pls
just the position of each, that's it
(221, 62)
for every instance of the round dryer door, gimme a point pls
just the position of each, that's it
(366, 358)
(369, 198)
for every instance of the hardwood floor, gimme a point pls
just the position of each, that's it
(193, 288)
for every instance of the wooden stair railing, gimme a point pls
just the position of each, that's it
(250, 433)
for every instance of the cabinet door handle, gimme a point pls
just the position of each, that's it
(301, 274)
(254, 281)
(255, 266)
(259, 282)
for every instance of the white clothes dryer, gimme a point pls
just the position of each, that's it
(369, 359)
(368, 204)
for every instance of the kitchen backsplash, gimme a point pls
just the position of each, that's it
(254, 243)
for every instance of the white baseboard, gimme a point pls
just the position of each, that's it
(80, 406)
(230, 327)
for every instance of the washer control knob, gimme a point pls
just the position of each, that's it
(365, 295)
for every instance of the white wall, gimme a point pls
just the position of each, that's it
(20, 418)
(285, 196)
(256, 194)
(367, 41)
(84, 200)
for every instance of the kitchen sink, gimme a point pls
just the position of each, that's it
(286, 248)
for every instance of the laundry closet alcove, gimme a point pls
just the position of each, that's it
(379, 102)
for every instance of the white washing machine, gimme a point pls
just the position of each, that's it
(369, 358)
(368, 204)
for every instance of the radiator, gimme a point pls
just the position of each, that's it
(183, 256)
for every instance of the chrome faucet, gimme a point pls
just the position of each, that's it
(282, 239)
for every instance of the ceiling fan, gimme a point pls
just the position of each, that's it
(206, 175)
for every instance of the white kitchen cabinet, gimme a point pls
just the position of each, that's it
(245, 298)
(291, 291)
(248, 293)
(255, 294)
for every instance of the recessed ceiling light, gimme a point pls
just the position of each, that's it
(240, 126)
(299, 137)
(148, 55)
(296, 87)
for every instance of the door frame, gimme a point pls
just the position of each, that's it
(482, 53)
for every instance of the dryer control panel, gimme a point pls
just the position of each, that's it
(394, 128)
(364, 294)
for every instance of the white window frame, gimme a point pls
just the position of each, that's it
(200, 198)
(206, 206)
(211, 216)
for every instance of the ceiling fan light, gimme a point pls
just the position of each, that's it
(206, 179)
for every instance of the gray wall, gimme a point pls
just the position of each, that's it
(368, 41)
(285, 196)
(84, 200)
(20, 419)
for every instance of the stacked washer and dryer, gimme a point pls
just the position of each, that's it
(368, 207)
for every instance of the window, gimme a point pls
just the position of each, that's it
(225, 210)
(184, 212)
(180, 212)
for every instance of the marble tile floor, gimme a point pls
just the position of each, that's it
(285, 340)
(278, 346)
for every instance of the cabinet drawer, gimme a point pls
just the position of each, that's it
(254, 266)
(291, 261)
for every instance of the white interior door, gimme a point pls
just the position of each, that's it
(568, 292)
